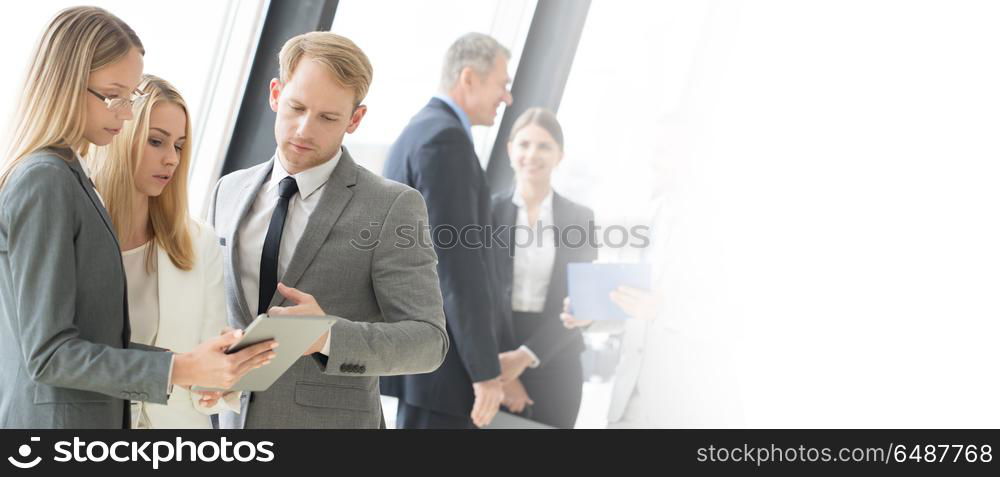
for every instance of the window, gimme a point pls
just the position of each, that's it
(407, 48)
(623, 84)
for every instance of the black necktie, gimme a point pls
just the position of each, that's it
(272, 244)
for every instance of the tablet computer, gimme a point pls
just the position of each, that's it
(590, 286)
(294, 333)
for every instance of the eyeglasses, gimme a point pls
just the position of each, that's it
(117, 104)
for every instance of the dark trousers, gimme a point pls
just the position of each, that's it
(412, 417)
(556, 386)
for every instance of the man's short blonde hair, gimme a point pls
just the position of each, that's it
(348, 63)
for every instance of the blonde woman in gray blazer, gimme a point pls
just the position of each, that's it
(66, 357)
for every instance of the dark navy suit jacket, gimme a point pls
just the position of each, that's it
(435, 155)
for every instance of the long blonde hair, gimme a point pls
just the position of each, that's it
(114, 169)
(51, 112)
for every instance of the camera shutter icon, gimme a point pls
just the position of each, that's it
(25, 451)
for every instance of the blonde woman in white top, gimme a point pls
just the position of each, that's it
(173, 264)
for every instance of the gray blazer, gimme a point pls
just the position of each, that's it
(63, 317)
(385, 293)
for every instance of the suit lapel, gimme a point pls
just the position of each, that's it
(336, 195)
(169, 284)
(244, 201)
(88, 187)
(562, 222)
(508, 218)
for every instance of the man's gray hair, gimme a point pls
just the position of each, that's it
(473, 50)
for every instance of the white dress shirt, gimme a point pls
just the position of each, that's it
(253, 230)
(534, 256)
(533, 260)
(143, 295)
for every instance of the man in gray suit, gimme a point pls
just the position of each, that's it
(346, 242)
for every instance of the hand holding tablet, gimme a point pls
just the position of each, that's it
(294, 333)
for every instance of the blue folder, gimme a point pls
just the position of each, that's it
(590, 285)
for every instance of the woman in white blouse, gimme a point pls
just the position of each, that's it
(173, 265)
(543, 376)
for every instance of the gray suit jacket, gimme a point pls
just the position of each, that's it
(354, 257)
(63, 316)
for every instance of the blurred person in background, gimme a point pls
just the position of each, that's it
(543, 376)
(676, 367)
(435, 155)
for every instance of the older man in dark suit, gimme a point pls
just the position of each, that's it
(435, 155)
